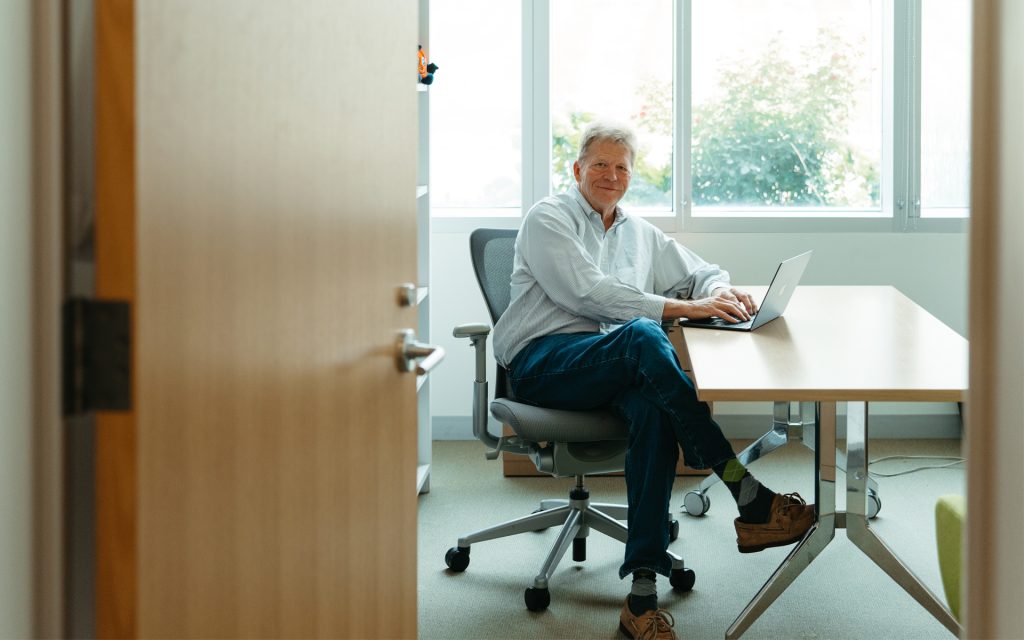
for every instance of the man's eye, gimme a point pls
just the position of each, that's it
(600, 165)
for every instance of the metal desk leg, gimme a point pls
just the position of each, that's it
(817, 538)
(874, 501)
(859, 530)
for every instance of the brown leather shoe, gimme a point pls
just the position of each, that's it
(790, 519)
(652, 625)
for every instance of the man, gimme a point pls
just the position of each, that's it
(591, 285)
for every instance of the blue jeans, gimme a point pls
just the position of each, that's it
(634, 372)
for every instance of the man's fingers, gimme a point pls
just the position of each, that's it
(732, 311)
(748, 303)
(731, 305)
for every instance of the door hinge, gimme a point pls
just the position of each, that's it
(97, 355)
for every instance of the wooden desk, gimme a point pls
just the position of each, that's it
(835, 344)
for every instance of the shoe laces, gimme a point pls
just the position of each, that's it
(661, 621)
(791, 500)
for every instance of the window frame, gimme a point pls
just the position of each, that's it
(901, 118)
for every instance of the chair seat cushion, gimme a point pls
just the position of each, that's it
(538, 424)
(950, 514)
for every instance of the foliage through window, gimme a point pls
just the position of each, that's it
(786, 105)
(789, 108)
(776, 133)
(627, 78)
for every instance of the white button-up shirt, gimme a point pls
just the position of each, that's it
(571, 276)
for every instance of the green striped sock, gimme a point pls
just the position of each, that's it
(753, 499)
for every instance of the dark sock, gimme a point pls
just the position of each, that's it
(639, 605)
(643, 596)
(753, 499)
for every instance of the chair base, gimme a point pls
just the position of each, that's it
(577, 516)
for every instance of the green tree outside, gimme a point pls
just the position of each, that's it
(651, 185)
(773, 136)
(565, 144)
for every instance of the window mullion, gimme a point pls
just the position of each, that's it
(682, 106)
(536, 101)
(528, 100)
(905, 109)
(914, 134)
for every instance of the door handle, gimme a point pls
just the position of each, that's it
(408, 350)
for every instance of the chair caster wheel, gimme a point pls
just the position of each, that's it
(682, 579)
(696, 503)
(673, 530)
(537, 599)
(874, 504)
(457, 558)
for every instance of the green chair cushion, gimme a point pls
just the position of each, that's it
(950, 512)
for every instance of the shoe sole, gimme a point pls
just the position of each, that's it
(769, 545)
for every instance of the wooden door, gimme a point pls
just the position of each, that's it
(256, 169)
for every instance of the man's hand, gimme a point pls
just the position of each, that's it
(738, 296)
(727, 303)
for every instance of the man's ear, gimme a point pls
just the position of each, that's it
(576, 171)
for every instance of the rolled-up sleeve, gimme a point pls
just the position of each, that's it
(560, 263)
(681, 273)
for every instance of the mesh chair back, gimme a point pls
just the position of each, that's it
(492, 251)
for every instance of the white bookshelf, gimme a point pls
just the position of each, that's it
(424, 435)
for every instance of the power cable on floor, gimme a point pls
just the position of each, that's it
(955, 461)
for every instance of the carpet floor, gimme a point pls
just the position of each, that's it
(842, 594)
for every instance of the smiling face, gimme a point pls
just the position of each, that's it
(603, 175)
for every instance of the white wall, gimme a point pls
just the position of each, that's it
(930, 268)
(16, 514)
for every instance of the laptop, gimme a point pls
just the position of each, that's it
(787, 277)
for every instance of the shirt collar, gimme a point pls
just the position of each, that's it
(620, 214)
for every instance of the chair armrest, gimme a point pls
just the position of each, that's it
(477, 334)
(472, 330)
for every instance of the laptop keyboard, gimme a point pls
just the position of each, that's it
(718, 322)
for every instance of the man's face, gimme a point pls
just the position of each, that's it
(603, 174)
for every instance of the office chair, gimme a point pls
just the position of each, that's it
(788, 423)
(560, 443)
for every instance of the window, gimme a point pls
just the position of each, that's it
(786, 107)
(790, 115)
(627, 78)
(476, 108)
(945, 108)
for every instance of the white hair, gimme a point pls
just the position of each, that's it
(603, 131)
